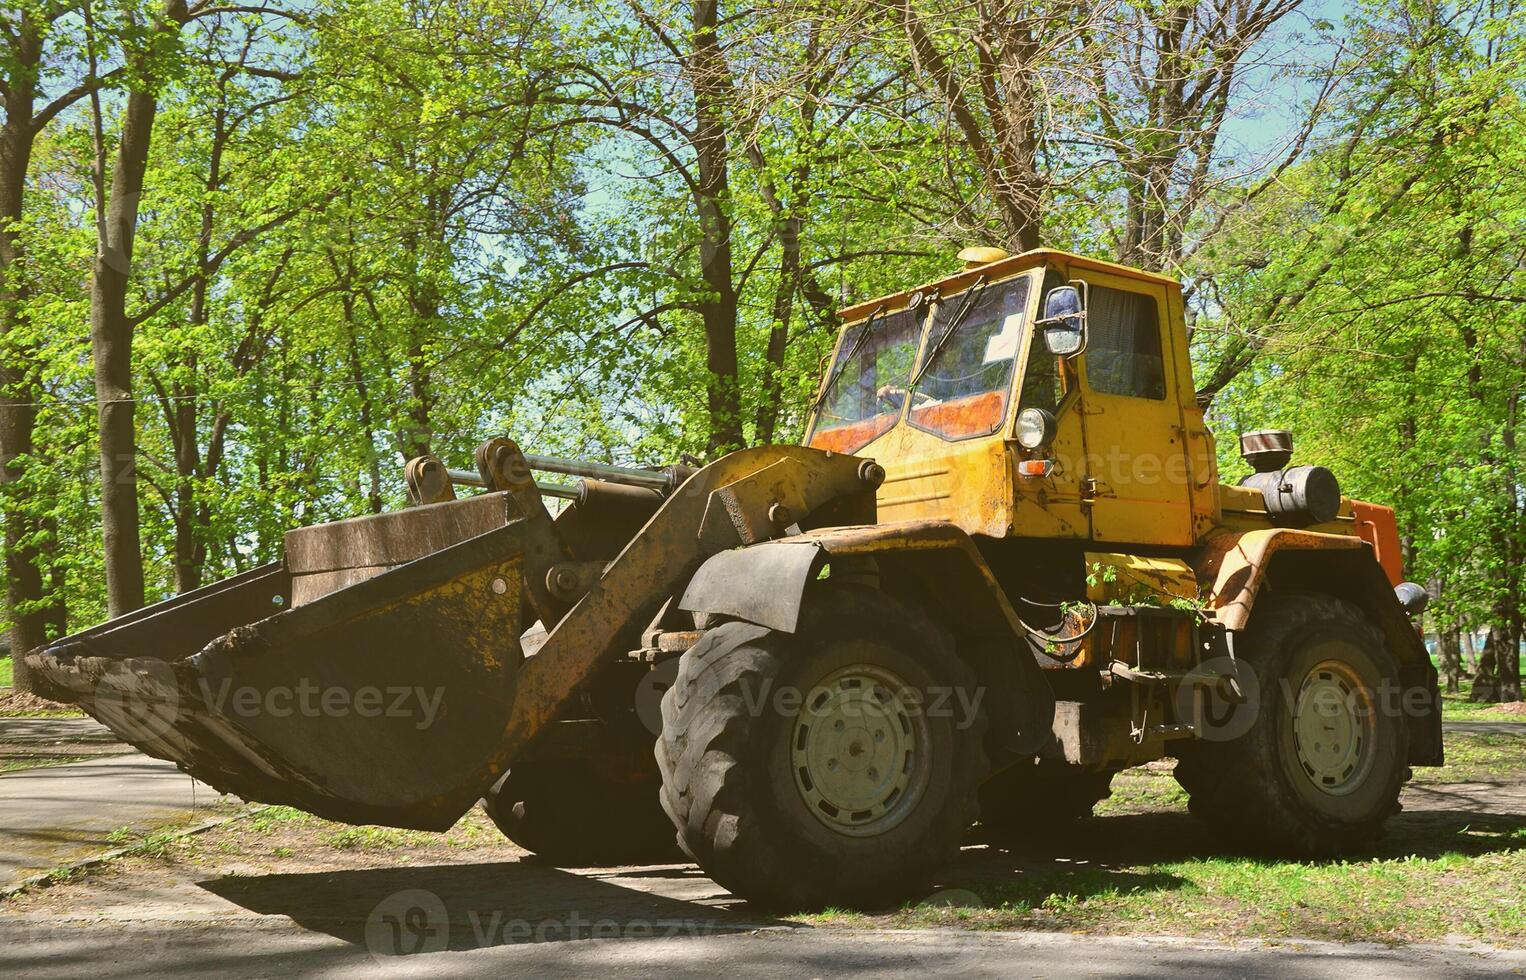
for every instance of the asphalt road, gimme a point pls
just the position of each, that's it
(54, 731)
(58, 814)
(88, 949)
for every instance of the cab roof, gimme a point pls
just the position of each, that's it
(1002, 268)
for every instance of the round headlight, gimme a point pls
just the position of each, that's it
(1035, 428)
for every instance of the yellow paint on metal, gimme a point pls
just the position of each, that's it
(1236, 564)
(968, 483)
(976, 256)
(1127, 471)
(1128, 580)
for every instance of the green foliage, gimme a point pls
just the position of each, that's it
(1379, 289)
(375, 228)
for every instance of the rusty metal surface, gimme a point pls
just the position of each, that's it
(723, 505)
(393, 538)
(503, 467)
(600, 524)
(179, 627)
(1236, 565)
(331, 556)
(428, 481)
(380, 703)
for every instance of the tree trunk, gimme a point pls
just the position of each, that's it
(18, 379)
(1450, 652)
(188, 553)
(718, 311)
(111, 343)
(111, 331)
(363, 392)
(1486, 680)
(770, 400)
(1509, 658)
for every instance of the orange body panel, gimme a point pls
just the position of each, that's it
(1377, 525)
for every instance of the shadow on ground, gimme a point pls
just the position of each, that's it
(397, 911)
(403, 910)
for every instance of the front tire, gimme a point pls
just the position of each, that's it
(1321, 761)
(837, 766)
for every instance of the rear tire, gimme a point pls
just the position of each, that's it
(1321, 761)
(835, 766)
(1040, 796)
(570, 815)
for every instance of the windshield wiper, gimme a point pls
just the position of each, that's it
(858, 344)
(965, 306)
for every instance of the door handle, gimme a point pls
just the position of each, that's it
(1092, 488)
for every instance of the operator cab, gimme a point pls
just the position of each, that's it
(1037, 395)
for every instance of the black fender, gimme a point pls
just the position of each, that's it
(933, 563)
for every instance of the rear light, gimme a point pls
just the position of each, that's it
(1035, 469)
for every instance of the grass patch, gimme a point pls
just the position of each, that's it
(157, 844)
(1143, 790)
(1455, 706)
(5, 672)
(1471, 887)
(1478, 757)
(374, 838)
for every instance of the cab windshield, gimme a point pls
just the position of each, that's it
(868, 381)
(971, 353)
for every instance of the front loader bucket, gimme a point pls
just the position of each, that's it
(368, 679)
(393, 688)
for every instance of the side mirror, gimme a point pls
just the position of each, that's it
(1064, 320)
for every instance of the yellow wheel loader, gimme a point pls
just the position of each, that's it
(1000, 569)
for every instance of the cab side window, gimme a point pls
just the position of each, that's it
(1123, 353)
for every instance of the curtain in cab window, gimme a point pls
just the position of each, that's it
(1123, 355)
